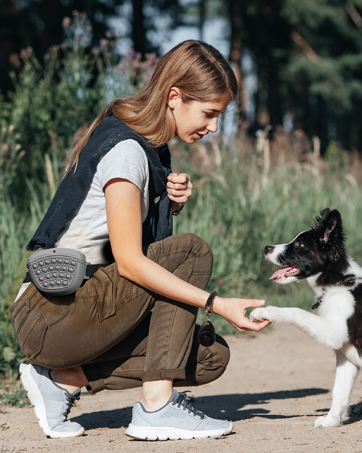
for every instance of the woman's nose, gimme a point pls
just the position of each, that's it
(212, 126)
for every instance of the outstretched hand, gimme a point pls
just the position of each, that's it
(233, 310)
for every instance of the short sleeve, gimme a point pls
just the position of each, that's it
(126, 160)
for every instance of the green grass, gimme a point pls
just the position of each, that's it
(16, 398)
(238, 205)
(239, 209)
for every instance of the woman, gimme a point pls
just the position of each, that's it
(119, 190)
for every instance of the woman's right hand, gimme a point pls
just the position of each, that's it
(233, 310)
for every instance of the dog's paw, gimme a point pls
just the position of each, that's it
(326, 422)
(264, 313)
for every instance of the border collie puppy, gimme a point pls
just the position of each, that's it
(319, 256)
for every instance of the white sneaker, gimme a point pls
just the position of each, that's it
(178, 419)
(51, 402)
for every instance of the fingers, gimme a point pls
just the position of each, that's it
(247, 325)
(255, 326)
(179, 182)
(253, 302)
(179, 178)
(233, 310)
(179, 187)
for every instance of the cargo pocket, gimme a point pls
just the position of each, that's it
(106, 300)
(30, 328)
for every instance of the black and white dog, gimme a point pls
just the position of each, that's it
(319, 256)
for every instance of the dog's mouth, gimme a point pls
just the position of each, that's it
(286, 272)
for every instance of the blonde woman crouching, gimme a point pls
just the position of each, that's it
(115, 205)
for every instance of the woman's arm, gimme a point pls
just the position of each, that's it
(123, 207)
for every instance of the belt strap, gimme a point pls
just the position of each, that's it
(90, 271)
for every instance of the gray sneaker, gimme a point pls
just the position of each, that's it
(51, 402)
(178, 419)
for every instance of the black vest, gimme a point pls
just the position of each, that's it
(74, 187)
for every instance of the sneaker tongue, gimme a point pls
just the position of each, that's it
(77, 392)
(174, 396)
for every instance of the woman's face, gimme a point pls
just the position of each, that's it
(195, 119)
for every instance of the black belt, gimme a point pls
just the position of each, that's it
(90, 271)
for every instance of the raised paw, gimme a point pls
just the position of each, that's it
(326, 422)
(264, 313)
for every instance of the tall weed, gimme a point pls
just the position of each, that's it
(239, 208)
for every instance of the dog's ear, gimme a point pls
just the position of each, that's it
(330, 231)
(329, 225)
(319, 219)
(324, 213)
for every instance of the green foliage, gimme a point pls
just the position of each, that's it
(239, 205)
(307, 57)
(17, 398)
(322, 73)
(239, 208)
(51, 106)
(337, 158)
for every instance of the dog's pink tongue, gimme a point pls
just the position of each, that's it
(281, 273)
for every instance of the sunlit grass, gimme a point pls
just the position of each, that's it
(237, 206)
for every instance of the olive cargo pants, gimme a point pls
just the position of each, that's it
(107, 325)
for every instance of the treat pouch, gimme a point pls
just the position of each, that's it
(57, 271)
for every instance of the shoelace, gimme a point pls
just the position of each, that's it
(185, 402)
(70, 400)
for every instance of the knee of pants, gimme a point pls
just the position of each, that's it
(198, 247)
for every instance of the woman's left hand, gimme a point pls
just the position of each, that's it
(179, 189)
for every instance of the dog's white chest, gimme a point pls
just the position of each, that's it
(337, 305)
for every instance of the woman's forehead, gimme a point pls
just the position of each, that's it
(219, 104)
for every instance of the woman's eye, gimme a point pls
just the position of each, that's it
(209, 115)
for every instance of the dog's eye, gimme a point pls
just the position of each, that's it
(299, 244)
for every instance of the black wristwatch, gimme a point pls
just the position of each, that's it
(177, 212)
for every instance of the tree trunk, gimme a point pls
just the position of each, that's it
(274, 98)
(53, 31)
(202, 18)
(235, 19)
(138, 27)
(8, 13)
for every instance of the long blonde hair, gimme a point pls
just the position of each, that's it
(200, 72)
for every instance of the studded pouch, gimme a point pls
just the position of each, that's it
(58, 271)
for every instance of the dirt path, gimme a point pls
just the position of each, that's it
(275, 386)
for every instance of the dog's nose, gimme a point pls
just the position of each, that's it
(269, 249)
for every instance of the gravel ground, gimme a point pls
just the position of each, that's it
(277, 382)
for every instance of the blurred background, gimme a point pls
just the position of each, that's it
(298, 62)
(289, 148)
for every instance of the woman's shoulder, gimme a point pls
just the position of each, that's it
(127, 149)
(127, 160)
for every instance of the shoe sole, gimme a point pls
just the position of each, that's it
(160, 433)
(37, 401)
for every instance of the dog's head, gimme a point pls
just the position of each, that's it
(318, 250)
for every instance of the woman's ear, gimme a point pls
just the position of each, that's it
(174, 97)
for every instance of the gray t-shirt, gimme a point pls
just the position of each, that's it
(87, 232)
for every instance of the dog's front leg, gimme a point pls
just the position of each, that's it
(346, 374)
(329, 333)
